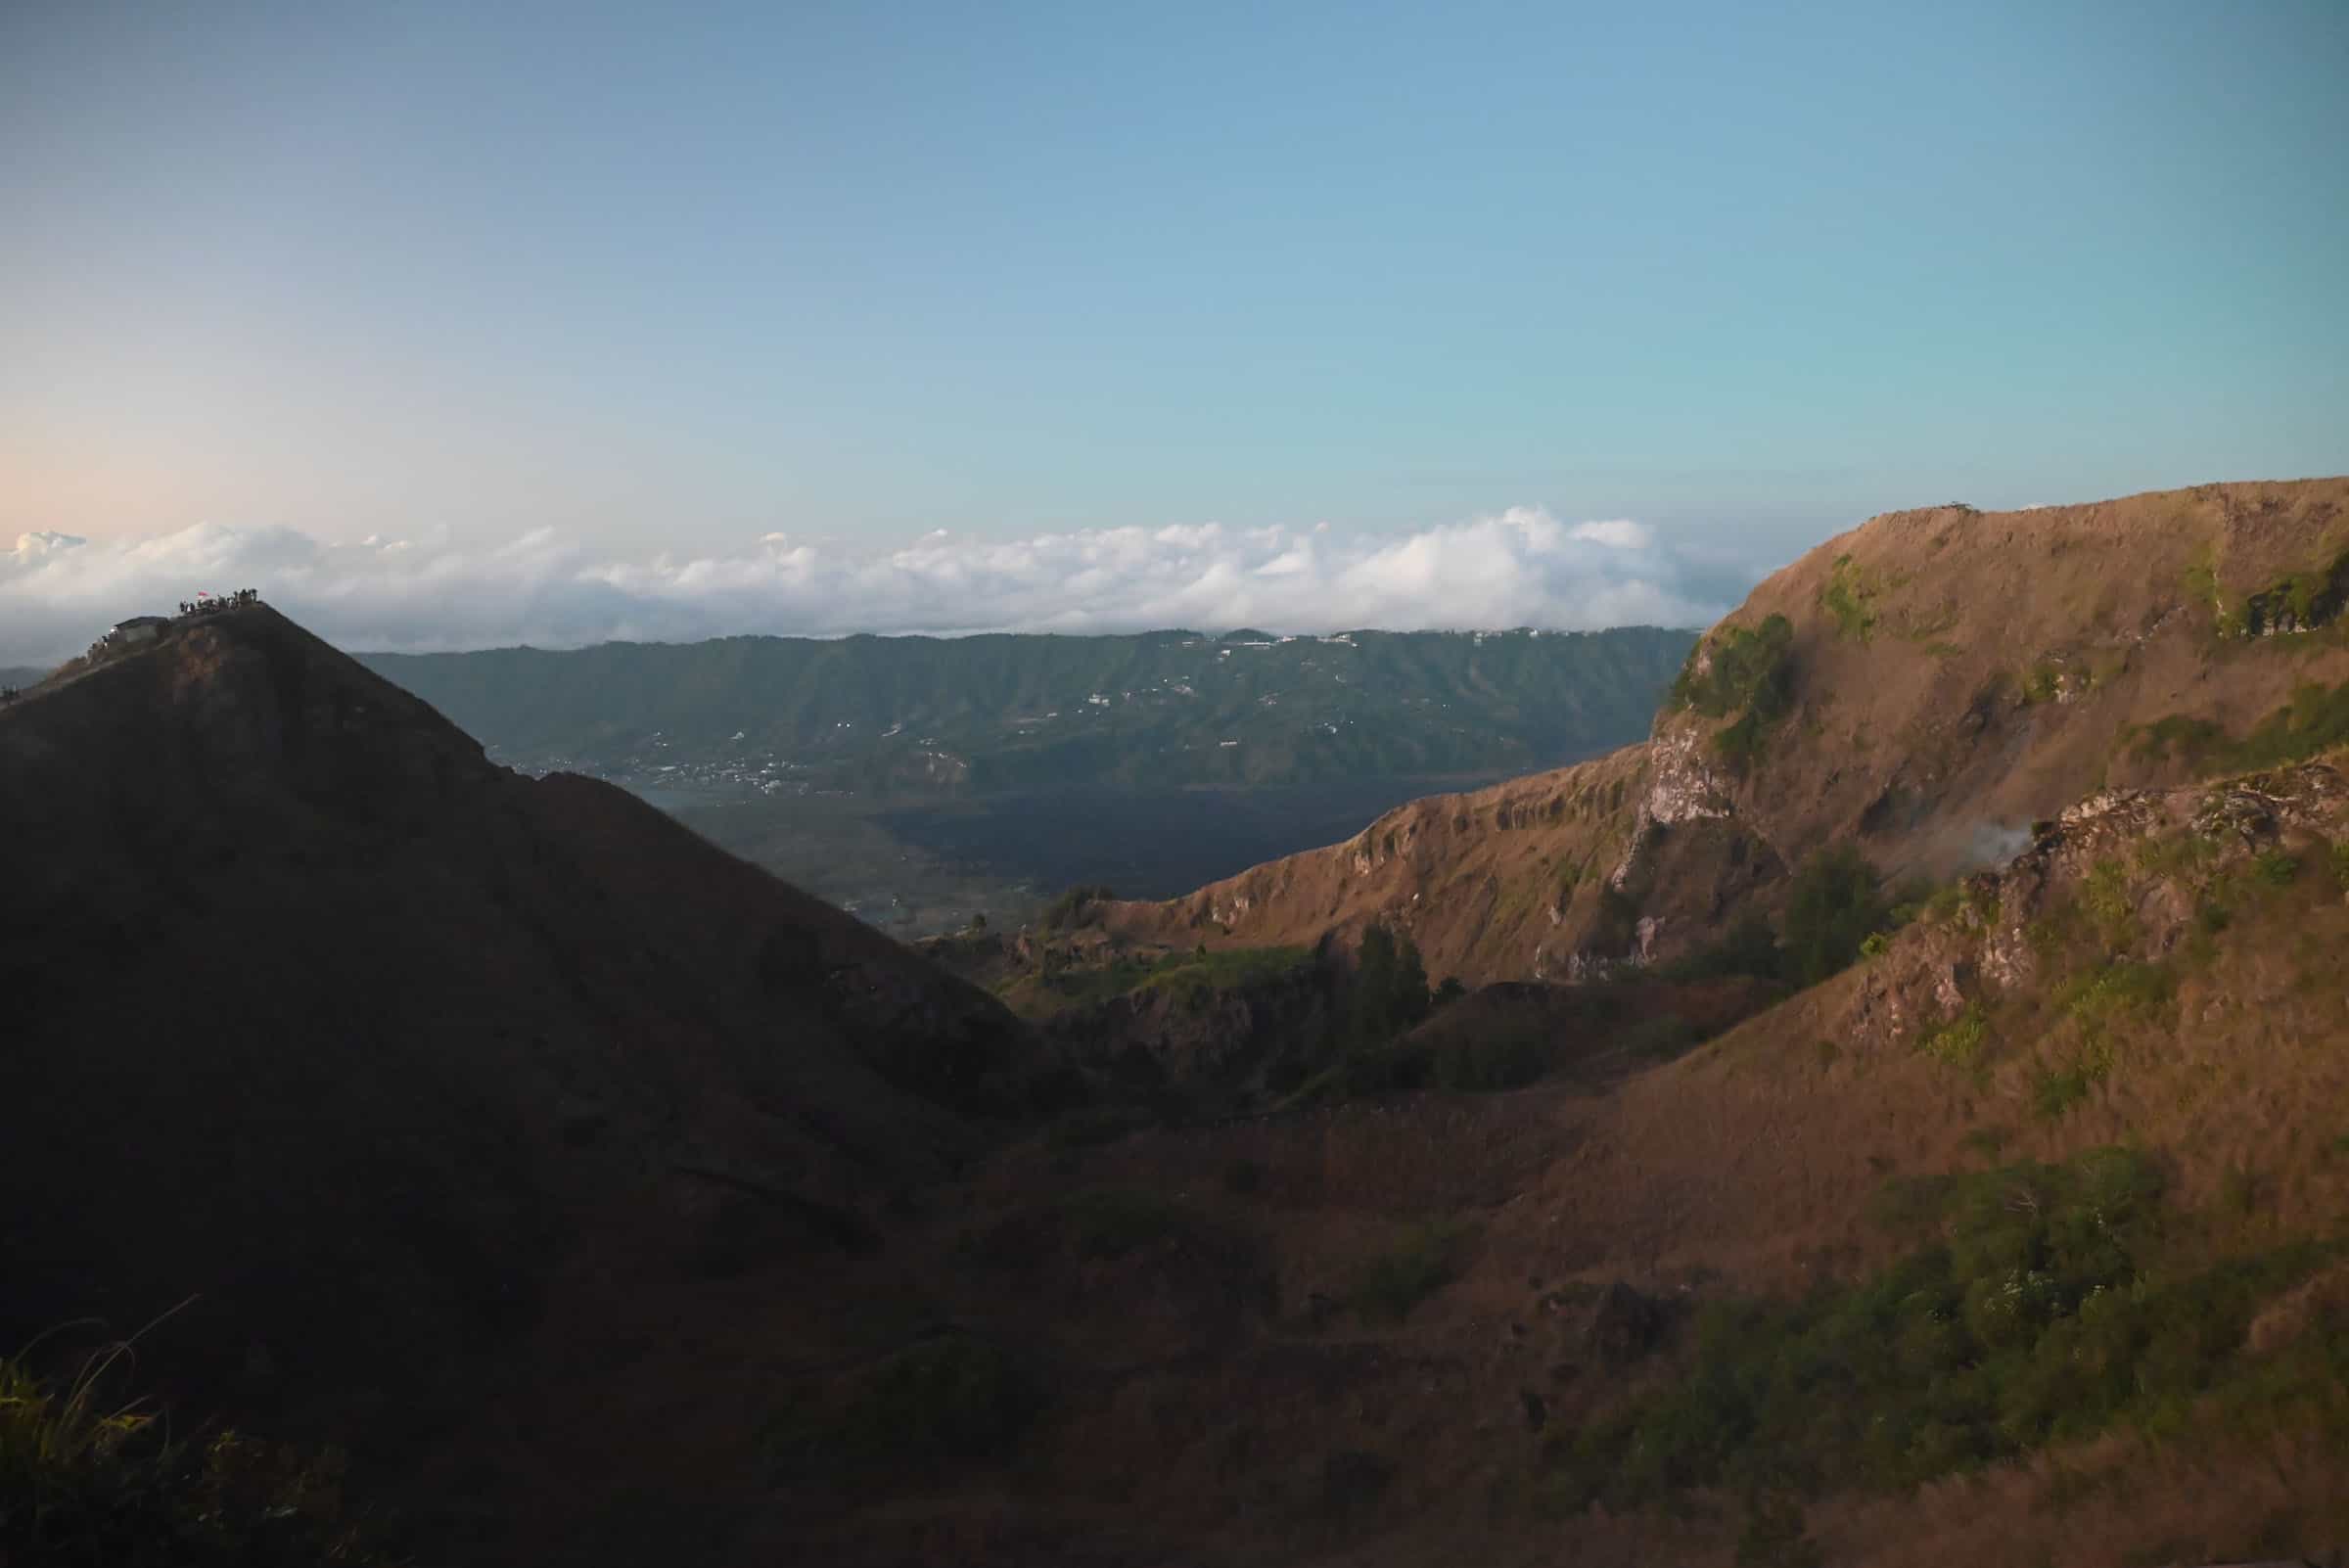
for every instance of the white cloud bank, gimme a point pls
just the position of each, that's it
(1519, 567)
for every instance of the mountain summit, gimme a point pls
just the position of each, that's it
(360, 1042)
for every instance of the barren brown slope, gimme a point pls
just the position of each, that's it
(1950, 675)
(1483, 881)
(2158, 970)
(318, 1017)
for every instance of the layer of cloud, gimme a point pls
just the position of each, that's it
(1521, 568)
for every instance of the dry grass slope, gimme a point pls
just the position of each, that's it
(1951, 677)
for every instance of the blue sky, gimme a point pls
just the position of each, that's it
(672, 278)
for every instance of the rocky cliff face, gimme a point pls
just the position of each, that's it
(2143, 872)
(1925, 686)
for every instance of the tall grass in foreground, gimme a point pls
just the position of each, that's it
(85, 1481)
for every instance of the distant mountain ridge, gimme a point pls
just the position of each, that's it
(925, 715)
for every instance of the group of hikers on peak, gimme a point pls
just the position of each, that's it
(140, 631)
(206, 604)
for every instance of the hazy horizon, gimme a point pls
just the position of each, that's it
(1521, 568)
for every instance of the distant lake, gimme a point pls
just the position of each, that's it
(672, 797)
(1152, 844)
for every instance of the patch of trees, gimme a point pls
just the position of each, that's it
(1741, 668)
(2041, 1305)
(1073, 906)
(953, 1396)
(1389, 987)
(1835, 902)
(1383, 997)
(1848, 598)
(2301, 601)
(2315, 720)
(1747, 672)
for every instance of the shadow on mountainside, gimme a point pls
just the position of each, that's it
(361, 1047)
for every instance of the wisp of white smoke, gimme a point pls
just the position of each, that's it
(1991, 844)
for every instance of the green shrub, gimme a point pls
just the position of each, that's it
(1959, 1041)
(2130, 994)
(1366, 1073)
(1190, 977)
(2274, 868)
(2053, 1092)
(1094, 1126)
(2310, 599)
(1111, 1222)
(1986, 1141)
(1071, 906)
(1662, 1037)
(955, 1398)
(1389, 992)
(1848, 600)
(2189, 740)
(1942, 904)
(2201, 579)
(1738, 745)
(1228, 968)
(1834, 906)
(1916, 899)
(1748, 947)
(1494, 1062)
(1420, 1264)
(2175, 854)
(2105, 896)
(1752, 669)
(2315, 719)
